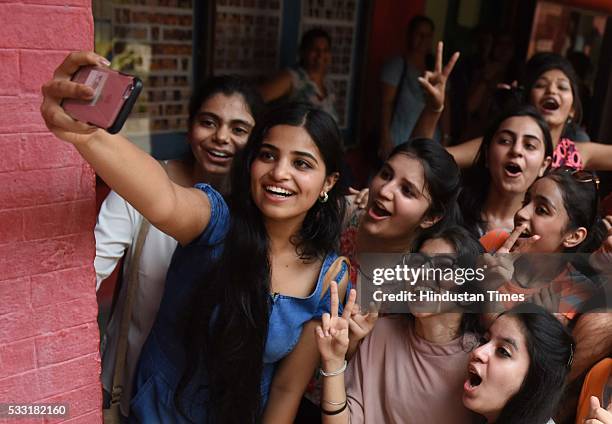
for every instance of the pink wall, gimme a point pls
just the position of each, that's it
(48, 330)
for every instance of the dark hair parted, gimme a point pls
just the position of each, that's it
(550, 348)
(441, 176)
(544, 62)
(477, 179)
(227, 85)
(230, 347)
(581, 203)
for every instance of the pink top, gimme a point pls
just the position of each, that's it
(566, 154)
(398, 377)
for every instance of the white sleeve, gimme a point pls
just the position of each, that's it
(115, 231)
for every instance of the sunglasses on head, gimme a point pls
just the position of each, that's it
(585, 177)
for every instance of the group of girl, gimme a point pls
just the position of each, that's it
(237, 336)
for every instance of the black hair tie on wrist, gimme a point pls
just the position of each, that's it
(336, 412)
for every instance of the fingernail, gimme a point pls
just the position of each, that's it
(103, 61)
(88, 92)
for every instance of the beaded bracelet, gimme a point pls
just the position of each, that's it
(333, 373)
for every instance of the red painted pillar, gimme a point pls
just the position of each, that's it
(386, 39)
(48, 330)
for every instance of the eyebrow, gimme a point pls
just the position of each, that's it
(293, 152)
(218, 118)
(544, 199)
(562, 78)
(510, 341)
(513, 134)
(505, 130)
(532, 137)
(413, 186)
(509, 132)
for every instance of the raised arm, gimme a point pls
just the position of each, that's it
(277, 87)
(596, 156)
(465, 153)
(296, 370)
(182, 213)
(434, 86)
(333, 340)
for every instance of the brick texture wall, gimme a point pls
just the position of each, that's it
(48, 330)
(152, 39)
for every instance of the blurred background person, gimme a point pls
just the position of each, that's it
(308, 80)
(402, 98)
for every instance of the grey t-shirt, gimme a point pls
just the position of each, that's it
(410, 99)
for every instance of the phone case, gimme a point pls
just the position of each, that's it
(115, 95)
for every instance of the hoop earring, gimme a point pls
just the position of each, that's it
(324, 197)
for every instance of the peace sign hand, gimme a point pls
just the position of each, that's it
(333, 333)
(434, 83)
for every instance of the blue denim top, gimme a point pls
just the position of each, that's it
(162, 359)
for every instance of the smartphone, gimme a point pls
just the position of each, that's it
(114, 97)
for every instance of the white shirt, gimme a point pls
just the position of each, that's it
(116, 232)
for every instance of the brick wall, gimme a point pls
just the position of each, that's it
(151, 39)
(48, 329)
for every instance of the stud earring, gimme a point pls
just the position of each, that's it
(324, 197)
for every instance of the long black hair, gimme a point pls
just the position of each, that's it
(477, 179)
(230, 315)
(540, 63)
(550, 348)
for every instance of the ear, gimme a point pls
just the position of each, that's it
(575, 237)
(545, 164)
(429, 221)
(330, 182)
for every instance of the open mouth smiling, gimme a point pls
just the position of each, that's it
(278, 191)
(550, 104)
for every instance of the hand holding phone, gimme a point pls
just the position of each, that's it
(114, 97)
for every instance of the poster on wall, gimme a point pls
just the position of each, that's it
(247, 37)
(339, 19)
